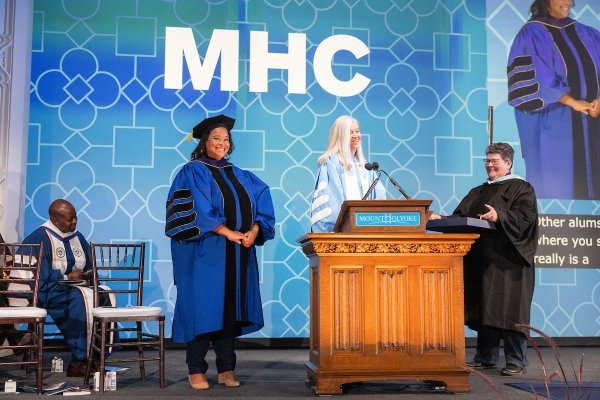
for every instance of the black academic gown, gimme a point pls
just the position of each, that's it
(499, 272)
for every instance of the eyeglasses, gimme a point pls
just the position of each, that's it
(494, 161)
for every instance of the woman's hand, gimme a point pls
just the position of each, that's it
(435, 216)
(577, 105)
(250, 236)
(595, 110)
(234, 236)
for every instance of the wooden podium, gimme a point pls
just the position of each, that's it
(386, 298)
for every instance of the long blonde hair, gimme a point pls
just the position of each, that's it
(339, 143)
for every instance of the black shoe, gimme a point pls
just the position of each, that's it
(480, 365)
(512, 370)
(77, 369)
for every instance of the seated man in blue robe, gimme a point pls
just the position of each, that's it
(66, 256)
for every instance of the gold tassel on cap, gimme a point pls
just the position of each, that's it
(189, 136)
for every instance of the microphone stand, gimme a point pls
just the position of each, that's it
(407, 197)
(371, 187)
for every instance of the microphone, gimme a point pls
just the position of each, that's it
(372, 185)
(371, 167)
(374, 166)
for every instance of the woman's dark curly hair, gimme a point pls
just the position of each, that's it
(541, 8)
(200, 150)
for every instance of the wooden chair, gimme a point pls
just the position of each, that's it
(119, 268)
(19, 283)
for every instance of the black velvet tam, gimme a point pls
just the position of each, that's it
(208, 124)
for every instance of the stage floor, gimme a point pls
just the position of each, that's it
(280, 374)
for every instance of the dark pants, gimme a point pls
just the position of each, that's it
(488, 346)
(8, 331)
(223, 343)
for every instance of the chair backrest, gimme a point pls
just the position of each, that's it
(20, 273)
(119, 268)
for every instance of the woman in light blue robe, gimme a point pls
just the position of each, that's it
(342, 175)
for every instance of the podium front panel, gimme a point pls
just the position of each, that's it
(386, 306)
(396, 216)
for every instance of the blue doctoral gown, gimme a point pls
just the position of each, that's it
(217, 280)
(561, 147)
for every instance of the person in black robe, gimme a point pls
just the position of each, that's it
(499, 271)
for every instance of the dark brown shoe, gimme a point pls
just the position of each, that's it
(77, 369)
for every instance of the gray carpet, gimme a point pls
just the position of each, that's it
(561, 391)
(280, 374)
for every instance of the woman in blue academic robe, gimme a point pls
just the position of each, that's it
(554, 86)
(216, 215)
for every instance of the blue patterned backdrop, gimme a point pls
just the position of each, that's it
(106, 134)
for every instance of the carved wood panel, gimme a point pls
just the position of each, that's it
(435, 293)
(392, 309)
(347, 310)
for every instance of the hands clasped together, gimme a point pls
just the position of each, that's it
(588, 108)
(595, 109)
(246, 239)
